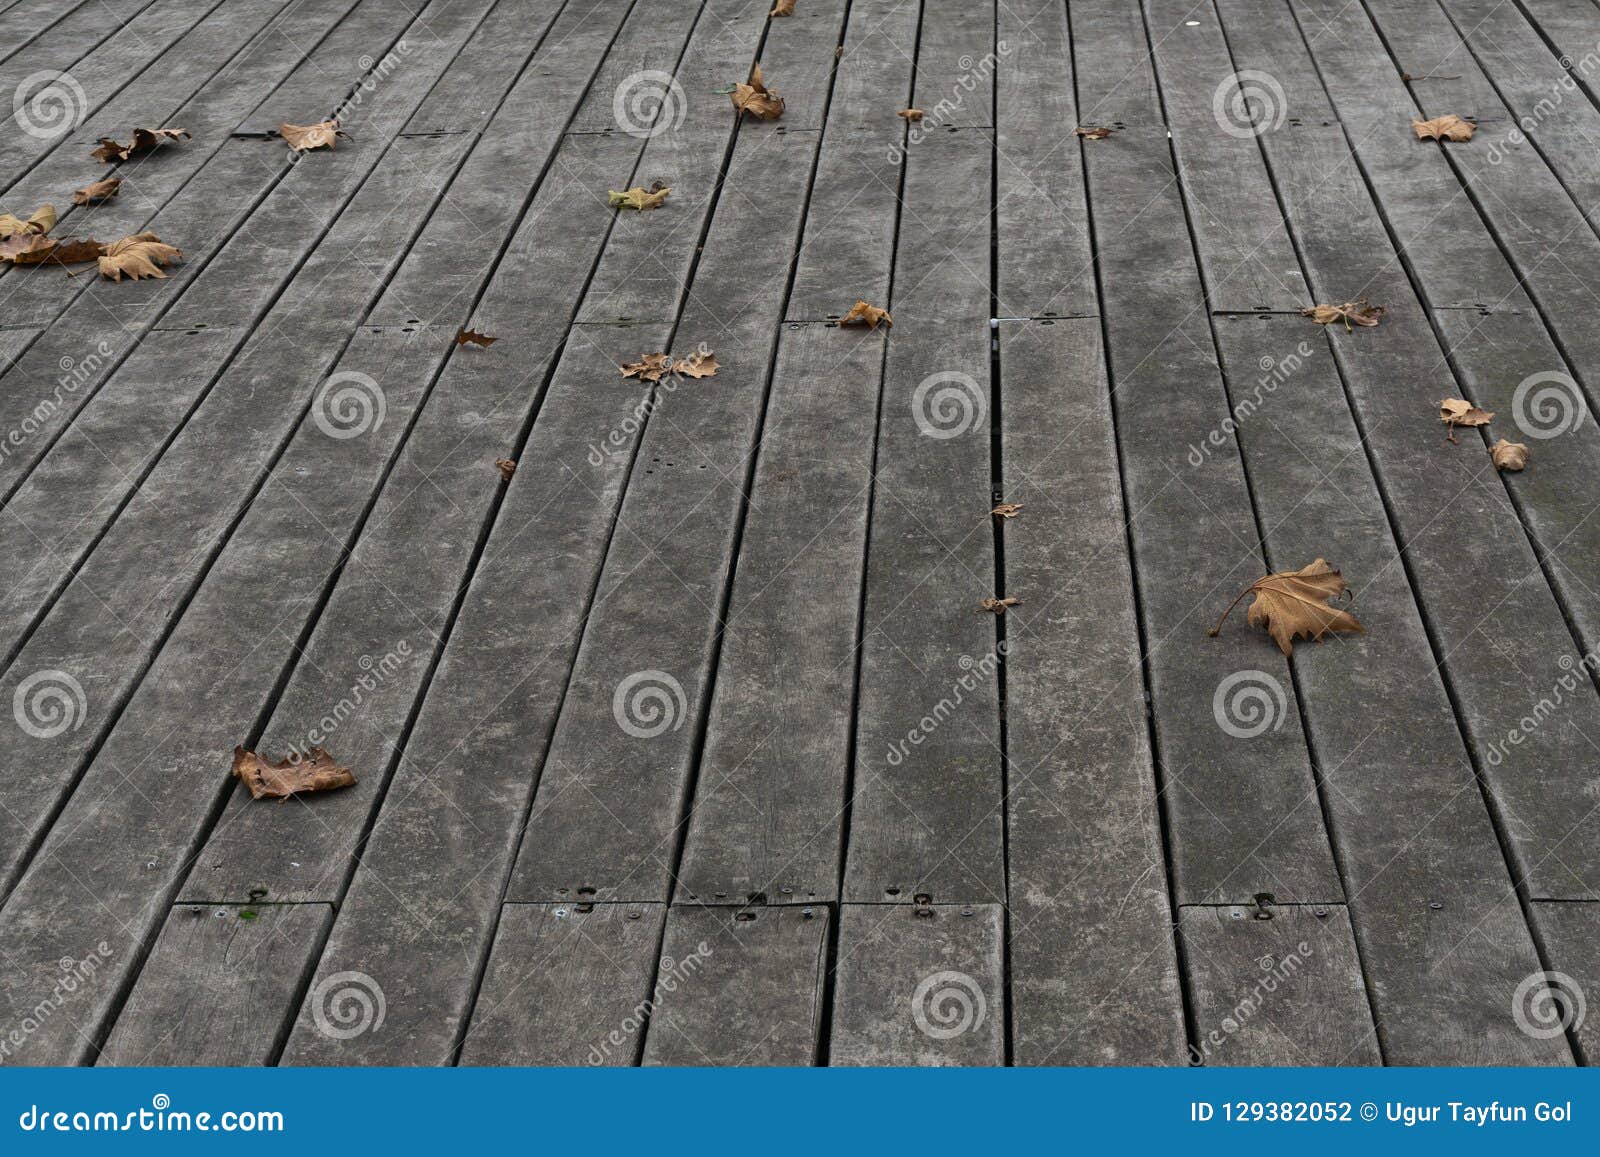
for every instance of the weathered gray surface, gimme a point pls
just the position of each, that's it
(636, 726)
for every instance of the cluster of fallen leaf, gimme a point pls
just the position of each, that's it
(653, 367)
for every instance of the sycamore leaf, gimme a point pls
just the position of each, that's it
(97, 191)
(756, 99)
(290, 776)
(508, 467)
(137, 256)
(143, 141)
(637, 198)
(1509, 455)
(1356, 312)
(471, 335)
(1455, 412)
(1007, 509)
(863, 314)
(35, 249)
(42, 221)
(700, 364)
(782, 8)
(998, 606)
(911, 114)
(1092, 132)
(1292, 603)
(1446, 128)
(303, 138)
(648, 368)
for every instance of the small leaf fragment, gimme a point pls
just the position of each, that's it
(998, 606)
(756, 99)
(911, 114)
(1007, 509)
(1446, 128)
(464, 336)
(648, 368)
(1092, 132)
(1509, 455)
(143, 141)
(508, 467)
(137, 256)
(97, 191)
(638, 198)
(863, 314)
(290, 776)
(1356, 312)
(1293, 603)
(700, 364)
(303, 138)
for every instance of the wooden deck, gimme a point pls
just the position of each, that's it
(689, 743)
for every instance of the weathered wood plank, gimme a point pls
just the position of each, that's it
(624, 99)
(1116, 83)
(1094, 978)
(495, 59)
(1286, 990)
(1572, 942)
(955, 64)
(754, 995)
(570, 984)
(919, 986)
(217, 984)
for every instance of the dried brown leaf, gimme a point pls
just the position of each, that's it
(756, 99)
(1093, 132)
(1007, 509)
(639, 198)
(863, 314)
(700, 364)
(291, 776)
(97, 191)
(465, 336)
(508, 467)
(1455, 412)
(782, 8)
(304, 138)
(1446, 128)
(137, 256)
(143, 141)
(1356, 312)
(998, 606)
(911, 114)
(34, 249)
(1293, 603)
(648, 368)
(1509, 455)
(42, 221)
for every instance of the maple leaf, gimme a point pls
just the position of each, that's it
(998, 606)
(1509, 455)
(700, 364)
(911, 114)
(1446, 128)
(637, 198)
(508, 467)
(783, 8)
(648, 368)
(304, 138)
(137, 256)
(1356, 312)
(471, 335)
(36, 249)
(1455, 412)
(756, 99)
(143, 141)
(97, 191)
(290, 776)
(1092, 132)
(42, 221)
(1007, 509)
(1292, 603)
(863, 314)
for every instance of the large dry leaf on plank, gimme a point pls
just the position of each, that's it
(1446, 128)
(863, 314)
(42, 221)
(137, 256)
(1509, 455)
(638, 198)
(756, 99)
(33, 249)
(1455, 412)
(322, 135)
(1292, 603)
(648, 368)
(143, 141)
(700, 364)
(290, 776)
(97, 191)
(1351, 313)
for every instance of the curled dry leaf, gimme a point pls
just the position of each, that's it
(465, 336)
(303, 138)
(637, 198)
(863, 314)
(756, 99)
(1351, 313)
(1092, 132)
(1446, 128)
(1509, 455)
(782, 8)
(137, 256)
(42, 221)
(998, 606)
(648, 368)
(508, 467)
(1455, 412)
(1292, 603)
(700, 364)
(290, 776)
(1007, 509)
(143, 141)
(97, 191)
(911, 114)
(34, 249)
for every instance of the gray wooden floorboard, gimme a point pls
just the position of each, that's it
(956, 57)
(1116, 78)
(1572, 941)
(494, 60)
